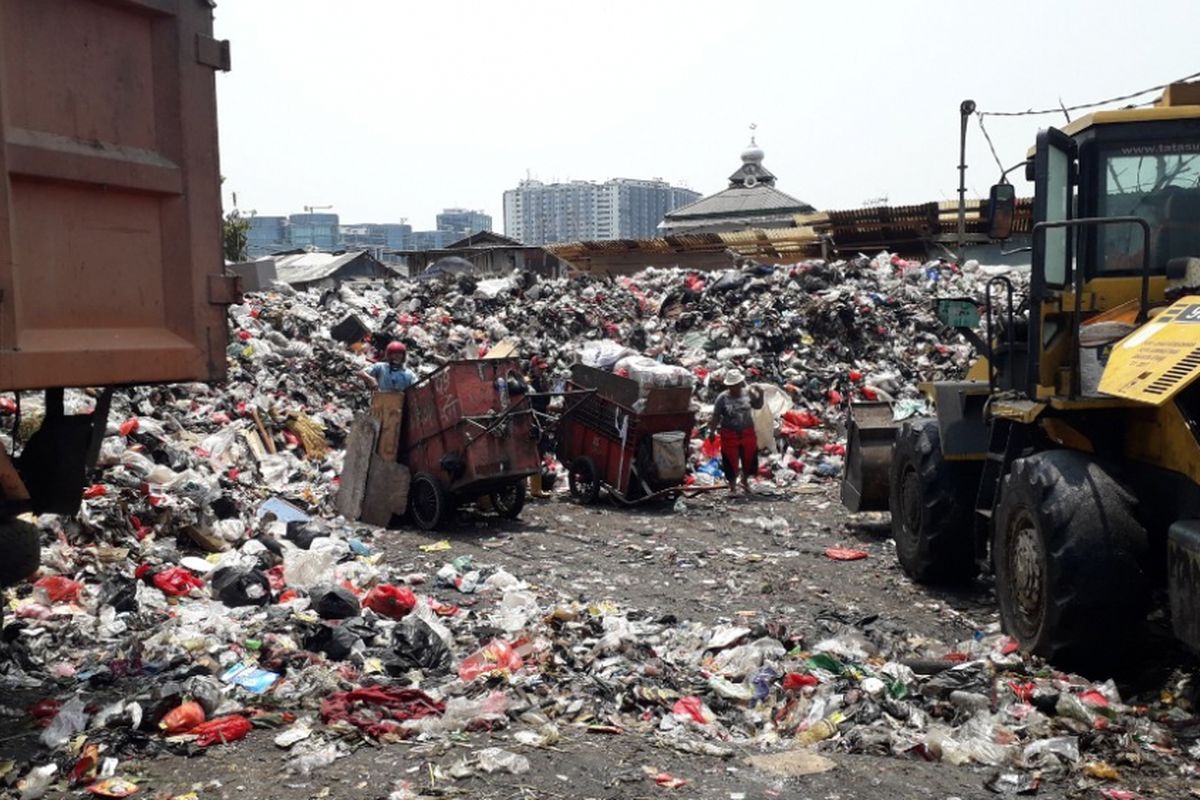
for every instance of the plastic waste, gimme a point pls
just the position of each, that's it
(494, 759)
(824, 729)
(693, 708)
(416, 645)
(176, 582)
(56, 589)
(221, 730)
(241, 587)
(71, 718)
(334, 602)
(182, 718)
(308, 762)
(307, 569)
(37, 782)
(393, 602)
(497, 657)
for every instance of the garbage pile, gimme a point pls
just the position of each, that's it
(206, 591)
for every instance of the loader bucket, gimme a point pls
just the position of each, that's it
(870, 433)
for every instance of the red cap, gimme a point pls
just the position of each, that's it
(396, 347)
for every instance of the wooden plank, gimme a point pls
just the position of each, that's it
(388, 409)
(503, 349)
(357, 464)
(386, 492)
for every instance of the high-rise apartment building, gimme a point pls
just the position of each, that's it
(622, 208)
(463, 222)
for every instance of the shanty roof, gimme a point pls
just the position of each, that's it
(309, 267)
(484, 239)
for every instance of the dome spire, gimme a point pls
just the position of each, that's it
(753, 154)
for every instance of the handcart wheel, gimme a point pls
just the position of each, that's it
(584, 480)
(428, 501)
(509, 501)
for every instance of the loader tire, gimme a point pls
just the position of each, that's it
(932, 502)
(1067, 550)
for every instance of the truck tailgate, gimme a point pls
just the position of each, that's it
(111, 268)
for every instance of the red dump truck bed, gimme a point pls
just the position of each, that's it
(111, 268)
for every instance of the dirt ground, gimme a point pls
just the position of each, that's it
(716, 560)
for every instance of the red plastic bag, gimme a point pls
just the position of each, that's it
(855, 375)
(95, 490)
(45, 710)
(710, 448)
(693, 707)
(793, 423)
(845, 554)
(497, 657)
(177, 581)
(221, 730)
(182, 718)
(391, 601)
(129, 426)
(56, 589)
(796, 680)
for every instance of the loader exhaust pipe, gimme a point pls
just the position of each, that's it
(870, 433)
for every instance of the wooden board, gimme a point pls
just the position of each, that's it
(386, 493)
(388, 409)
(360, 445)
(502, 349)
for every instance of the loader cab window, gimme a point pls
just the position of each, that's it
(1160, 183)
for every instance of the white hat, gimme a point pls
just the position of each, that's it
(733, 377)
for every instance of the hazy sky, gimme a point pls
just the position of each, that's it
(387, 109)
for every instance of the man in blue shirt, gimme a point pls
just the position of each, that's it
(390, 375)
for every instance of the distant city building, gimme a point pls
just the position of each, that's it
(750, 201)
(463, 222)
(431, 240)
(375, 236)
(266, 235)
(314, 230)
(623, 208)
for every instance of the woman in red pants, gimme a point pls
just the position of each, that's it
(733, 418)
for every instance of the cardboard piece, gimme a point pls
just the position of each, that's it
(502, 349)
(388, 409)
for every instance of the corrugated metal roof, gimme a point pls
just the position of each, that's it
(309, 267)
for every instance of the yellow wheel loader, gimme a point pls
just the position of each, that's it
(1068, 460)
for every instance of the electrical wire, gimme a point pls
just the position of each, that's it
(1060, 109)
(987, 136)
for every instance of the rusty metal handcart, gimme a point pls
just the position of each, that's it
(467, 435)
(618, 439)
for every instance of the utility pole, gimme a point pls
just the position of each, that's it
(965, 110)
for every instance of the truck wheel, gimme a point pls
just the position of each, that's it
(428, 501)
(509, 501)
(583, 480)
(931, 501)
(1066, 548)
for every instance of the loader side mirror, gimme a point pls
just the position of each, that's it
(1180, 268)
(1002, 206)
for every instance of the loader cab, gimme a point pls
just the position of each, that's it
(1116, 195)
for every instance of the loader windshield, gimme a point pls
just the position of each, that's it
(1159, 182)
